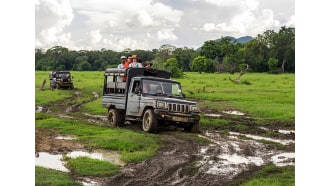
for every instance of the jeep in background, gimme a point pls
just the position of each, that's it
(148, 96)
(60, 80)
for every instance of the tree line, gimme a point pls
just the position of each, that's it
(271, 51)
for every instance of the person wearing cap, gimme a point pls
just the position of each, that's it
(123, 60)
(135, 63)
(128, 62)
(147, 64)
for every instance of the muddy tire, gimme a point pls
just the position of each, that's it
(114, 118)
(194, 128)
(149, 121)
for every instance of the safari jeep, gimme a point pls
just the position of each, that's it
(148, 96)
(60, 80)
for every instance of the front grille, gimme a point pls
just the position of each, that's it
(178, 107)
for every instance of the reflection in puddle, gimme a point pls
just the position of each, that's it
(39, 109)
(213, 115)
(228, 156)
(286, 131)
(234, 112)
(283, 142)
(65, 137)
(110, 156)
(52, 161)
(89, 182)
(284, 159)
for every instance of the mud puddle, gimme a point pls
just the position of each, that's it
(283, 142)
(55, 161)
(229, 156)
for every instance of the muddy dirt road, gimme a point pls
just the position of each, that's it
(182, 161)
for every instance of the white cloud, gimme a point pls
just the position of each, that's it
(166, 34)
(248, 21)
(148, 24)
(52, 17)
(291, 21)
(96, 36)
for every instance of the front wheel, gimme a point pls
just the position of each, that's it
(149, 121)
(114, 118)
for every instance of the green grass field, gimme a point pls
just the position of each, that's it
(265, 95)
(259, 95)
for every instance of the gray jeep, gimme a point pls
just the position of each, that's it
(148, 96)
(60, 80)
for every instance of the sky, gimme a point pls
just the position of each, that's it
(148, 24)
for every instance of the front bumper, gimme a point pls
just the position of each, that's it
(176, 117)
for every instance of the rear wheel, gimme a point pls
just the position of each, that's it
(149, 121)
(114, 118)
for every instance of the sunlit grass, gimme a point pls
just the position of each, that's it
(271, 175)
(85, 166)
(44, 176)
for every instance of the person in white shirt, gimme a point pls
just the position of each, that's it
(123, 60)
(135, 63)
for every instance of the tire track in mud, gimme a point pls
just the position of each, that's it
(184, 162)
(166, 168)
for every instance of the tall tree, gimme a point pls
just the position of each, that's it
(199, 64)
(285, 47)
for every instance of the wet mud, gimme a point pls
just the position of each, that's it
(182, 161)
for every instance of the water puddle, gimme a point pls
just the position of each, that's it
(279, 130)
(283, 142)
(41, 109)
(286, 131)
(89, 182)
(213, 115)
(228, 156)
(110, 156)
(65, 137)
(52, 161)
(234, 112)
(284, 159)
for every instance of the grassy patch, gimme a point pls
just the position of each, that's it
(214, 122)
(273, 176)
(44, 176)
(94, 107)
(85, 166)
(266, 95)
(134, 146)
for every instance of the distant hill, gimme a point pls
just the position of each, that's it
(241, 40)
(238, 40)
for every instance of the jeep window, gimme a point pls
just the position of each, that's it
(136, 86)
(161, 88)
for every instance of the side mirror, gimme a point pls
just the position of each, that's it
(184, 96)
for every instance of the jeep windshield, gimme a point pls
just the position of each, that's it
(161, 88)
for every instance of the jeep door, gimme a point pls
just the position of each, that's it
(133, 99)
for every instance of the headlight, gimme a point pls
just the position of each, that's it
(161, 104)
(194, 108)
